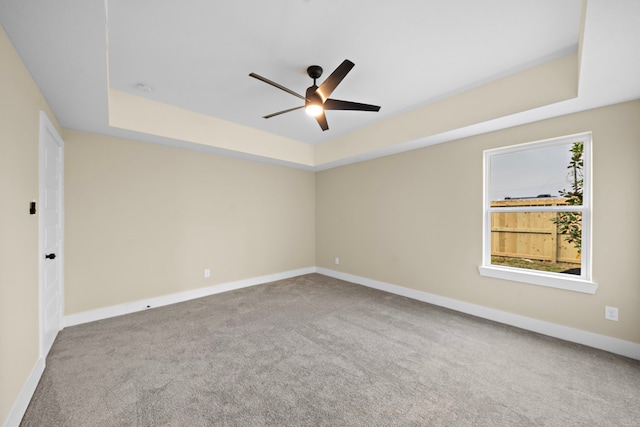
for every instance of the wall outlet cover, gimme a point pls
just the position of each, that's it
(611, 313)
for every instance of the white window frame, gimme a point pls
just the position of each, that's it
(582, 283)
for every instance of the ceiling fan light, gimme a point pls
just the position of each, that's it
(313, 110)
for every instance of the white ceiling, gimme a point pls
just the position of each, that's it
(197, 54)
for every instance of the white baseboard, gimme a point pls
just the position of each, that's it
(22, 402)
(602, 342)
(132, 307)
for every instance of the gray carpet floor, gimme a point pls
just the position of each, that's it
(316, 351)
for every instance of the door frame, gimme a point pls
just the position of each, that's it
(46, 127)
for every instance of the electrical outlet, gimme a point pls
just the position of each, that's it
(207, 273)
(337, 260)
(611, 313)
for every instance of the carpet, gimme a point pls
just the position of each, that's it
(317, 351)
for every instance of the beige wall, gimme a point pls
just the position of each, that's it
(415, 220)
(144, 220)
(20, 105)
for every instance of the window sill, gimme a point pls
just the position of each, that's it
(552, 280)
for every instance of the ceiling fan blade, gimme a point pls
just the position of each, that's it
(279, 86)
(268, 116)
(336, 104)
(322, 121)
(328, 86)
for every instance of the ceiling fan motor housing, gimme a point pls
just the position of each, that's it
(314, 71)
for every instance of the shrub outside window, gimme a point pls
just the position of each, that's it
(537, 213)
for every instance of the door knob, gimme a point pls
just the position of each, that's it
(50, 256)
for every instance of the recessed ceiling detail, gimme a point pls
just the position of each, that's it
(441, 70)
(197, 53)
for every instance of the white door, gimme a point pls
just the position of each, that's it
(51, 233)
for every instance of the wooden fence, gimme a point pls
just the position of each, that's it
(530, 235)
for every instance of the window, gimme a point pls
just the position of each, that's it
(537, 210)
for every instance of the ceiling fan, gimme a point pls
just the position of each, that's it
(317, 100)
